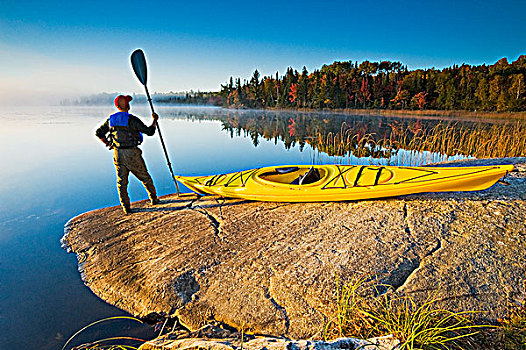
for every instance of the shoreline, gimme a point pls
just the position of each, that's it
(453, 114)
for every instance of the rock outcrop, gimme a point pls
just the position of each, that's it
(270, 268)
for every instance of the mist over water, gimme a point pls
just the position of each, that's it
(55, 168)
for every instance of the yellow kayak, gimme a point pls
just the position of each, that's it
(319, 183)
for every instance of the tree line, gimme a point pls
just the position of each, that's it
(385, 85)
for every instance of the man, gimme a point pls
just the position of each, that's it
(125, 134)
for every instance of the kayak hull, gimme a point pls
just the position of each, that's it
(343, 182)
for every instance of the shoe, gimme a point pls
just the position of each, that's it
(126, 210)
(155, 201)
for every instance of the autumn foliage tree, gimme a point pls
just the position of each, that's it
(419, 100)
(293, 93)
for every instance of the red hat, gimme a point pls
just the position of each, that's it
(127, 97)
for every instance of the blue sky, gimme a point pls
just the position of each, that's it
(59, 49)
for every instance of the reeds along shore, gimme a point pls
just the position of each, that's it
(383, 136)
(481, 141)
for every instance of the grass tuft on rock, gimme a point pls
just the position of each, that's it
(512, 333)
(363, 312)
(99, 344)
(95, 346)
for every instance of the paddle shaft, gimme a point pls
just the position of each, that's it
(162, 141)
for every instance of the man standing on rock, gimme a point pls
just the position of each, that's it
(125, 135)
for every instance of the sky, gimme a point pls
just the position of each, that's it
(52, 50)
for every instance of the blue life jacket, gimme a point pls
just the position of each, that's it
(121, 135)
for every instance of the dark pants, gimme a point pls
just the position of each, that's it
(126, 160)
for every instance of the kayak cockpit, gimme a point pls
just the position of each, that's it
(293, 175)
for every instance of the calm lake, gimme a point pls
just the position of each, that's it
(54, 168)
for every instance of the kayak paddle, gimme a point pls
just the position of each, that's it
(138, 62)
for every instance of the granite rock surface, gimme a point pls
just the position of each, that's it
(270, 268)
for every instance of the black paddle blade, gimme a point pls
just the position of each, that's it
(138, 62)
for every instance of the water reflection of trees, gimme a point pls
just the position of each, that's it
(382, 137)
(371, 136)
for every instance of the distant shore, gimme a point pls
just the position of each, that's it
(415, 113)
